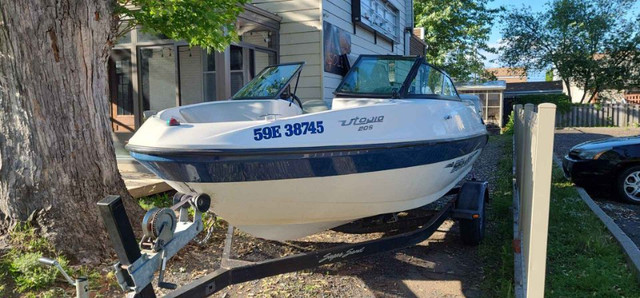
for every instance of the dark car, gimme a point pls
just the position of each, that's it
(612, 162)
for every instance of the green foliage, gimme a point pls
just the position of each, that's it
(562, 101)
(29, 274)
(25, 238)
(456, 33)
(160, 200)
(548, 76)
(209, 24)
(508, 129)
(593, 44)
(21, 264)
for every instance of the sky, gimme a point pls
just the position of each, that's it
(533, 6)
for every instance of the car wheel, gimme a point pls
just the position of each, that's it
(629, 184)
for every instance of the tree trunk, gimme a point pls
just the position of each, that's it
(584, 93)
(568, 84)
(57, 157)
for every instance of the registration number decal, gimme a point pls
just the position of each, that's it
(288, 130)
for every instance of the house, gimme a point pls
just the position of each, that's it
(632, 95)
(149, 72)
(509, 74)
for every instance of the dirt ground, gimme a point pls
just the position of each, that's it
(627, 216)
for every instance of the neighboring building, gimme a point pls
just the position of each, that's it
(528, 88)
(148, 73)
(632, 96)
(492, 99)
(417, 46)
(609, 95)
(532, 88)
(497, 96)
(509, 74)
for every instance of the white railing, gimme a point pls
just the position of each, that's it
(533, 150)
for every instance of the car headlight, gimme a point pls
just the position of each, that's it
(592, 153)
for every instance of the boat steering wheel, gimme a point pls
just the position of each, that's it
(295, 97)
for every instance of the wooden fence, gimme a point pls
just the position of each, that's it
(533, 150)
(620, 115)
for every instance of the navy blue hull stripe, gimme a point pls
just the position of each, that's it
(211, 167)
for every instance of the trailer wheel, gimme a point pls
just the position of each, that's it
(472, 197)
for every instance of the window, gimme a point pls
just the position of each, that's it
(237, 70)
(158, 77)
(427, 81)
(209, 76)
(191, 74)
(376, 75)
(378, 15)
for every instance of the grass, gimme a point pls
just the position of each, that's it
(583, 259)
(20, 266)
(496, 250)
(22, 273)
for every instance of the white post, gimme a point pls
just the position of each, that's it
(540, 199)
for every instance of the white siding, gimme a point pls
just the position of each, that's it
(338, 13)
(300, 40)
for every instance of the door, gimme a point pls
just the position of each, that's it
(120, 91)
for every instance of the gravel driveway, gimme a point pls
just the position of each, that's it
(627, 216)
(438, 267)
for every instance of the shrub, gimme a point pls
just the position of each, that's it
(562, 101)
(508, 129)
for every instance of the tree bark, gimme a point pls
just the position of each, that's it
(57, 157)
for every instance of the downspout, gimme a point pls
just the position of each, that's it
(408, 25)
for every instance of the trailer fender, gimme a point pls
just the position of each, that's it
(471, 199)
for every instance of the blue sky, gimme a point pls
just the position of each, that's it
(533, 6)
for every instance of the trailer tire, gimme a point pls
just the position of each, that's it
(473, 196)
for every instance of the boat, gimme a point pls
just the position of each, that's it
(397, 137)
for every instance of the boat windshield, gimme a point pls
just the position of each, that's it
(377, 75)
(270, 82)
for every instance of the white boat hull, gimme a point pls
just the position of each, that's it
(274, 180)
(292, 208)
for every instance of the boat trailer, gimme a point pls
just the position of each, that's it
(165, 234)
